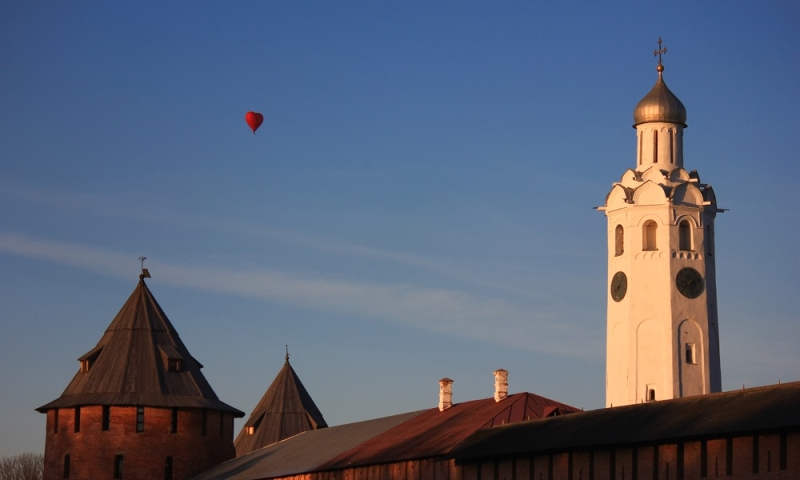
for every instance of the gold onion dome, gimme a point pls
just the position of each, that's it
(660, 105)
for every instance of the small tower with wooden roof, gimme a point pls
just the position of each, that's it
(139, 407)
(285, 410)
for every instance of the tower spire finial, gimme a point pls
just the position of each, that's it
(658, 53)
(287, 353)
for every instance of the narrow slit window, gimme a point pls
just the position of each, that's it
(655, 146)
(205, 421)
(612, 464)
(140, 419)
(729, 456)
(173, 425)
(106, 417)
(755, 453)
(690, 354)
(641, 140)
(783, 451)
(619, 241)
(118, 466)
(651, 394)
(672, 146)
(66, 466)
(77, 419)
(655, 462)
(168, 467)
(703, 459)
(55, 420)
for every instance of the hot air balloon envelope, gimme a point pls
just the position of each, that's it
(254, 119)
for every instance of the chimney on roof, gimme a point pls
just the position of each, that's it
(500, 384)
(445, 394)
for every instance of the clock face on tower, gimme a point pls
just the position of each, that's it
(689, 282)
(619, 286)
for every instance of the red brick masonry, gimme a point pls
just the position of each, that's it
(92, 450)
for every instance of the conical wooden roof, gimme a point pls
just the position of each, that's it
(140, 360)
(285, 410)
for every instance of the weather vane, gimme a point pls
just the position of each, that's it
(145, 272)
(658, 54)
(287, 353)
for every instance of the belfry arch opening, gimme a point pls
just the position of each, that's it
(649, 231)
(685, 236)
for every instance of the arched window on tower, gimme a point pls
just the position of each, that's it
(655, 146)
(649, 236)
(685, 235)
(619, 241)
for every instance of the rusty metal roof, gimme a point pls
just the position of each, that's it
(435, 432)
(285, 410)
(424, 434)
(304, 452)
(140, 360)
(717, 415)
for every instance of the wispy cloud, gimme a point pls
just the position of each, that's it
(117, 207)
(438, 310)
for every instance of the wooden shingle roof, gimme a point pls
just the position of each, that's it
(140, 360)
(285, 410)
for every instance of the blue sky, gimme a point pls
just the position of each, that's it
(417, 204)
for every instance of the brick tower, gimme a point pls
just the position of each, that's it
(139, 407)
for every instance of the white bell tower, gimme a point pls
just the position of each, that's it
(662, 332)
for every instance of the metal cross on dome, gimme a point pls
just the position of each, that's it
(660, 51)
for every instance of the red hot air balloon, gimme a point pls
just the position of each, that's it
(254, 119)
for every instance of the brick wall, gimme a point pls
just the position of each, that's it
(644, 462)
(92, 450)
